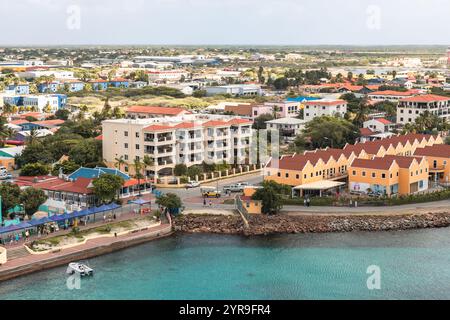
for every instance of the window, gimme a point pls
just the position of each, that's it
(383, 176)
(126, 157)
(287, 175)
(363, 173)
(279, 174)
(137, 147)
(297, 176)
(126, 145)
(354, 173)
(126, 133)
(137, 134)
(373, 175)
(305, 176)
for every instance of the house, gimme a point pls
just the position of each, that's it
(287, 127)
(19, 89)
(388, 175)
(379, 125)
(325, 107)
(247, 204)
(119, 83)
(438, 157)
(390, 95)
(22, 136)
(8, 155)
(99, 85)
(409, 109)
(143, 112)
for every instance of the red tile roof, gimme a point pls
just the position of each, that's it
(324, 102)
(158, 127)
(366, 132)
(169, 111)
(239, 121)
(55, 122)
(392, 93)
(215, 123)
(383, 121)
(377, 163)
(426, 98)
(437, 150)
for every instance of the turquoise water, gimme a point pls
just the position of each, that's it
(414, 265)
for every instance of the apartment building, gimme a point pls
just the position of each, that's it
(409, 109)
(166, 75)
(325, 107)
(188, 139)
(237, 90)
(279, 109)
(389, 175)
(380, 125)
(438, 157)
(390, 95)
(288, 127)
(143, 112)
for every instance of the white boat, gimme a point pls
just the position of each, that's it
(79, 268)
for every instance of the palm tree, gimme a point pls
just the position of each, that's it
(33, 137)
(119, 162)
(148, 162)
(138, 165)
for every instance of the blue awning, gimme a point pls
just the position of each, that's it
(140, 202)
(16, 227)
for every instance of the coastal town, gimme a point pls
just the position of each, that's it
(103, 148)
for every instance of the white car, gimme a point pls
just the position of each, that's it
(192, 184)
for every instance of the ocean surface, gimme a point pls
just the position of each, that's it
(411, 265)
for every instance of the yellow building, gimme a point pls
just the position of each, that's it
(389, 175)
(250, 206)
(438, 157)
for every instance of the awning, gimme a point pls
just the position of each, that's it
(140, 202)
(320, 185)
(16, 227)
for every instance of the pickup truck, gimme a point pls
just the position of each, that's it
(238, 187)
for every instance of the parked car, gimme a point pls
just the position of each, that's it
(210, 192)
(192, 184)
(238, 187)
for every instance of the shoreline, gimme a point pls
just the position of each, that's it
(291, 224)
(62, 258)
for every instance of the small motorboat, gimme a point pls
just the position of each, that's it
(79, 268)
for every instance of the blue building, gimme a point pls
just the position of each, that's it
(119, 83)
(302, 99)
(53, 87)
(99, 85)
(19, 88)
(46, 87)
(13, 100)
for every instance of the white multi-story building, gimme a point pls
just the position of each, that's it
(409, 109)
(166, 75)
(237, 90)
(58, 74)
(186, 139)
(389, 95)
(379, 125)
(325, 107)
(289, 128)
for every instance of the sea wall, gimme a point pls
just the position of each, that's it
(264, 225)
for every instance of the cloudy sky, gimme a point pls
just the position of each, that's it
(252, 22)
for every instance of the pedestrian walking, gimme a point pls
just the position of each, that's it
(210, 203)
(304, 203)
(308, 202)
(27, 235)
(204, 202)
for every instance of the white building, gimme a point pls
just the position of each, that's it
(189, 139)
(325, 107)
(409, 109)
(379, 125)
(58, 74)
(289, 128)
(389, 95)
(166, 75)
(236, 90)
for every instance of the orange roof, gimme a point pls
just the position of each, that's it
(239, 121)
(215, 123)
(158, 127)
(392, 93)
(18, 122)
(426, 98)
(325, 102)
(55, 122)
(170, 111)
(383, 121)
(352, 87)
(366, 132)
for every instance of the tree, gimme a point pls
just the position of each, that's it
(34, 169)
(170, 201)
(362, 112)
(180, 170)
(35, 153)
(147, 162)
(86, 151)
(199, 93)
(67, 167)
(138, 166)
(271, 200)
(32, 199)
(193, 172)
(260, 121)
(107, 187)
(10, 194)
(62, 114)
(261, 78)
(120, 162)
(329, 132)
(281, 83)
